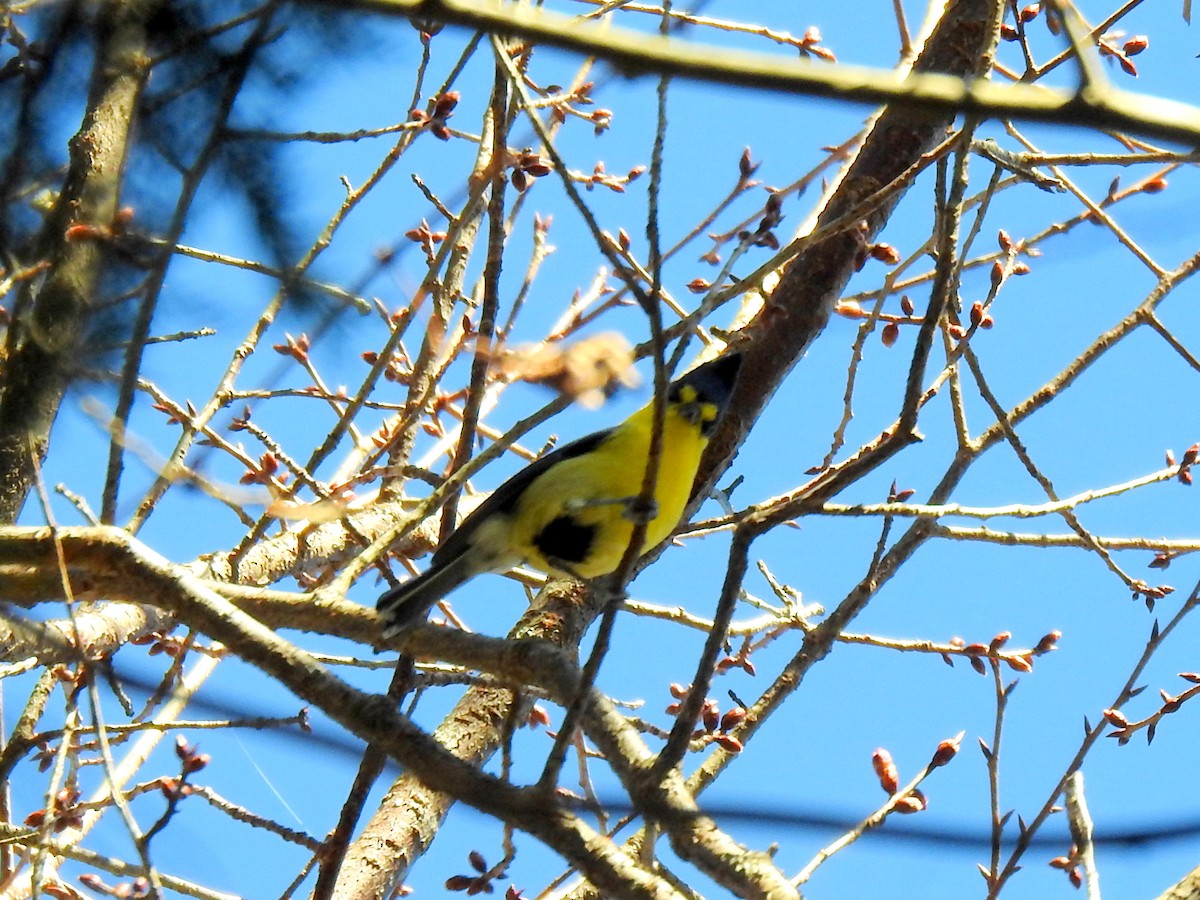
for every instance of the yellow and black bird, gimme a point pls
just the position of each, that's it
(570, 513)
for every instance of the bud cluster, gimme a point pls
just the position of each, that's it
(715, 726)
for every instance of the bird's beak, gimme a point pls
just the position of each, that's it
(696, 413)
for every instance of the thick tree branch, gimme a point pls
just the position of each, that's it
(939, 91)
(371, 717)
(664, 798)
(46, 337)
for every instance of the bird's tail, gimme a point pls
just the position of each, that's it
(405, 605)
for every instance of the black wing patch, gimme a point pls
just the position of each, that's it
(565, 540)
(504, 498)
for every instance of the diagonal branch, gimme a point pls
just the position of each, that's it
(931, 90)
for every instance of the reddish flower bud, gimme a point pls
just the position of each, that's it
(445, 104)
(885, 253)
(914, 802)
(946, 751)
(121, 218)
(733, 718)
(80, 232)
(1115, 718)
(537, 167)
(746, 166)
(196, 763)
(1136, 45)
(1020, 663)
(885, 770)
(729, 742)
(1048, 642)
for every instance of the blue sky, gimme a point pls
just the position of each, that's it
(814, 755)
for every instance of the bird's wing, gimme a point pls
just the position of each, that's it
(505, 497)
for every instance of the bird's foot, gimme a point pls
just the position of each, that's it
(641, 510)
(637, 509)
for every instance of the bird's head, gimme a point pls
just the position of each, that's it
(702, 394)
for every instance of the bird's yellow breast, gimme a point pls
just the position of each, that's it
(573, 518)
